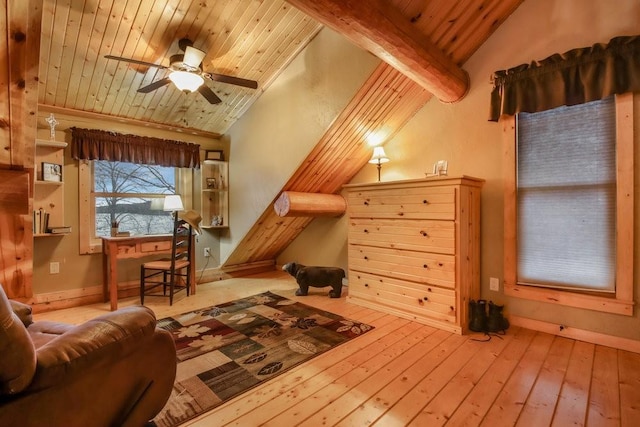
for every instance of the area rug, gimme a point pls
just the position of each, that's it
(230, 348)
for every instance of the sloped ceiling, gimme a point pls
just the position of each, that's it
(250, 39)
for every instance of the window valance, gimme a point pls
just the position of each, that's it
(575, 77)
(93, 144)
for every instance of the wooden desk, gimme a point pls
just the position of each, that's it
(116, 248)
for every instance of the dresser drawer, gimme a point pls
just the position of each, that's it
(410, 203)
(422, 300)
(420, 267)
(416, 235)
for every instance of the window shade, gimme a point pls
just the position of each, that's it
(567, 197)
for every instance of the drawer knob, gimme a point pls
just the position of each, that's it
(424, 233)
(425, 298)
(366, 285)
(366, 231)
(425, 201)
(366, 257)
(366, 202)
(425, 266)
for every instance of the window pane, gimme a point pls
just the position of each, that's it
(119, 177)
(567, 197)
(125, 193)
(133, 214)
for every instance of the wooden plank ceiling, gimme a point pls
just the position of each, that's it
(250, 39)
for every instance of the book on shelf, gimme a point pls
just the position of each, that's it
(40, 221)
(59, 230)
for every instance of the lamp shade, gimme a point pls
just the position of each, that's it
(173, 203)
(186, 81)
(379, 156)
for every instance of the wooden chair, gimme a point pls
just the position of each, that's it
(173, 273)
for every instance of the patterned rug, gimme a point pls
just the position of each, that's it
(227, 349)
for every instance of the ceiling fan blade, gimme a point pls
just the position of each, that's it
(155, 85)
(209, 95)
(193, 57)
(252, 84)
(135, 61)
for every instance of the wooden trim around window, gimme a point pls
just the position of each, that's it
(620, 303)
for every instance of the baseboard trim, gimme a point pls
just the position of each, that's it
(577, 334)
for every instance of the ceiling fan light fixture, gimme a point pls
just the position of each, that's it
(186, 81)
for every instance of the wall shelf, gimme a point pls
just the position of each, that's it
(215, 194)
(48, 196)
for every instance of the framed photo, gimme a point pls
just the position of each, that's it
(214, 155)
(211, 183)
(51, 172)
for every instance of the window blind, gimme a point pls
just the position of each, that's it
(567, 197)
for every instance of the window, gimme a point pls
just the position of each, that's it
(130, 194)
(566, 191)
(569, 205)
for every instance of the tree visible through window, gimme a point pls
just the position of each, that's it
(132, 195)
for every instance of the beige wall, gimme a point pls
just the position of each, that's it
(84, 272)
(461, 134)
(277, 133)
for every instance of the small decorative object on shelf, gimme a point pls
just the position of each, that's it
(51, 172)
(52, 125)
(114, 228)
(211, 183)
(216, 220)
(214, 155)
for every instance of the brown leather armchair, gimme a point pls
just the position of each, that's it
(115, 370)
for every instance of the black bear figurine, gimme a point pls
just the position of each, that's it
(318, 277)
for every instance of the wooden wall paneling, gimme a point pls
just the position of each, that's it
(5, 110)
(21, 26)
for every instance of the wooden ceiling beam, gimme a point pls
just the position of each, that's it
(377, 26)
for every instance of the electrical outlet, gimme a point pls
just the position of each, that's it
(54, 267)
(207, 252)
(494, 284)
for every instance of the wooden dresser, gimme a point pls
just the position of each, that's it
(414, 248)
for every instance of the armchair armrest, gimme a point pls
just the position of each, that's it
(95, 344)
(23, 311)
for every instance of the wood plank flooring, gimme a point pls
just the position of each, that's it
(404, 373)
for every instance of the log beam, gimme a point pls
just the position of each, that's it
(293, 203)
(377, 26)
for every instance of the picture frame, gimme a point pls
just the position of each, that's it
(211, 183)
(214, 155)
(51, 172)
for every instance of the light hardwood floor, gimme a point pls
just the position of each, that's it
(407, 374)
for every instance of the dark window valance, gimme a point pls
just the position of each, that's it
(92, 144)
(575, 77)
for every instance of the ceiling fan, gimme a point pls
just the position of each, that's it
(187, 74)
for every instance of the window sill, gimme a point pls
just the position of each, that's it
(571, 299)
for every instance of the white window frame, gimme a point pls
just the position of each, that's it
(622, 301)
